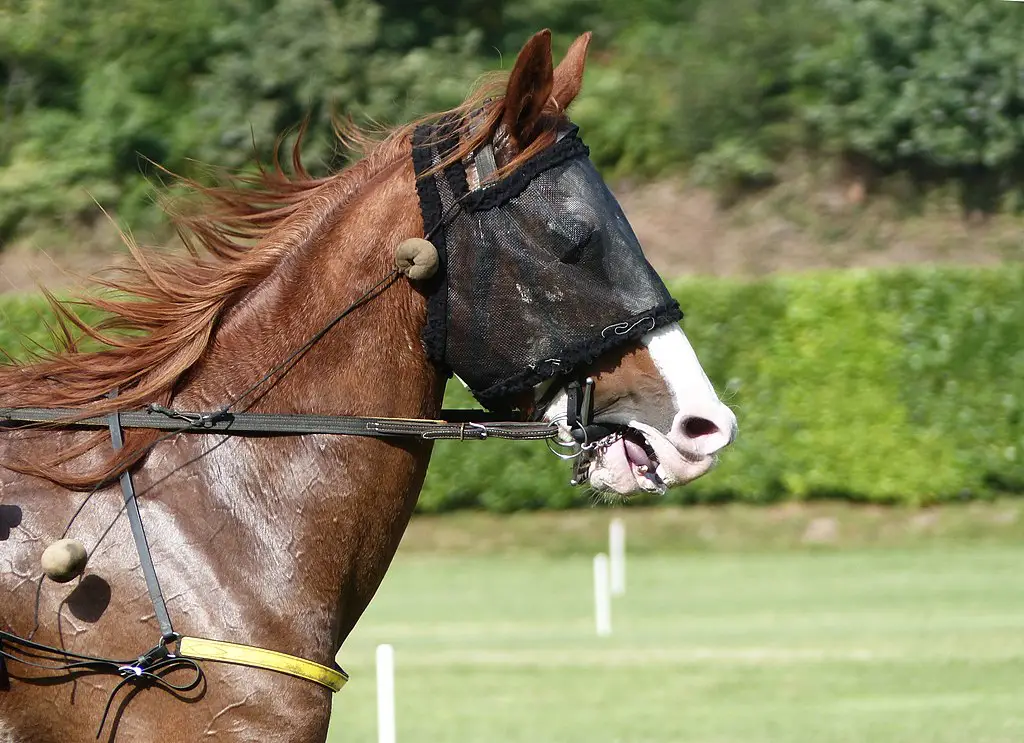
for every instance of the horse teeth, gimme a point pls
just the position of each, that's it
(642, 469)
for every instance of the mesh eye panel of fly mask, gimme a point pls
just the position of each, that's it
(539, 271)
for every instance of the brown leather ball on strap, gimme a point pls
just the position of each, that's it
(64, 560)
(416, 258)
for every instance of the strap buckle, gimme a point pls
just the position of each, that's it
(580, 411)
(479, 430)
(195, 420)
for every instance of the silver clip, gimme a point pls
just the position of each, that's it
(478, 427)
(624, 328)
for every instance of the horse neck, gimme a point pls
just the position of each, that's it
(318, 518)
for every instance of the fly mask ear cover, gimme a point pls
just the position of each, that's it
(539, 272)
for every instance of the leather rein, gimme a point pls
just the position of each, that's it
(457, 424)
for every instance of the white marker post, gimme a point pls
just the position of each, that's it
(385, 694)
(602, 596)
(617, 555)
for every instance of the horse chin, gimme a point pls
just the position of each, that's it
(641, 459)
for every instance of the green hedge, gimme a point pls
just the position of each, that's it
(25, 325)
(871, 386)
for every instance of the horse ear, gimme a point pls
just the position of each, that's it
(569, 73)
(529, 88)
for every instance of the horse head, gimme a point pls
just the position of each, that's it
(546, 286)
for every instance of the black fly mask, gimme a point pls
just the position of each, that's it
(539, 271)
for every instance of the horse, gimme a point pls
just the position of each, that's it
(279, 542)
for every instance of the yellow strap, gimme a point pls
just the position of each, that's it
(200, 648)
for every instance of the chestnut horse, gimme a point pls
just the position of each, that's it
(279, 542)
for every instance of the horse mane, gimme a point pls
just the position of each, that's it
(160, 312)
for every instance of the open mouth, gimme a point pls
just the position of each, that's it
(637, 457)
(624, 450)
(639, 452)
(643, 460)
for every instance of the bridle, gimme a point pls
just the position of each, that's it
(154, 665)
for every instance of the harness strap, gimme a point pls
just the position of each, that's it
(131, 506)
(579, 413)
(199, 648)
(149, 667)
(166, 419)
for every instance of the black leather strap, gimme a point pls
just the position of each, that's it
(462, 425)
(149, 669)
(580, 413)
(131, 506)
(573, 395)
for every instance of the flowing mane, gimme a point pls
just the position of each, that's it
(160, 314)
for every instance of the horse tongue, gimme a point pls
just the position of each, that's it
(636, 453)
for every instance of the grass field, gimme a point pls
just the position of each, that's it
(915, 639)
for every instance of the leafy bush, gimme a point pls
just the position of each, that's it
(713, 80)
(931, 86)
(92, 96)
(901, 386)
(92, 93)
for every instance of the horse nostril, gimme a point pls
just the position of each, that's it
(696, 427)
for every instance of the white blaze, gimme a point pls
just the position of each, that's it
(693, 395)
(676, 360)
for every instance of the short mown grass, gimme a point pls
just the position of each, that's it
(911, 638)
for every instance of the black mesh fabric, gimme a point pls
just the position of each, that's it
(540, 272)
